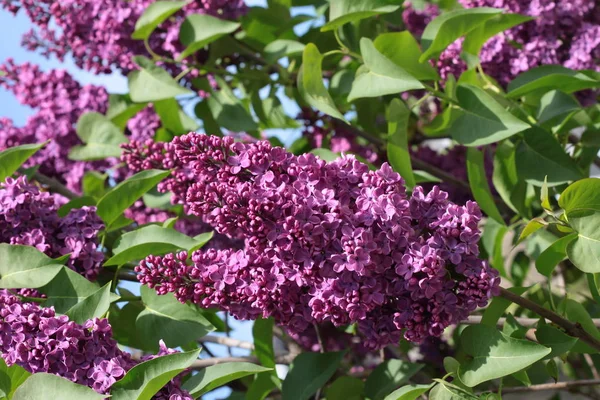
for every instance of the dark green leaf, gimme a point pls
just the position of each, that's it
(479, 184)
(408, 59)
(25, 267)
(308, 373)
(121, 109)
(212, 377)
(379, 76)
(346, 388)
(388, 376)
(483, 120)
(41, 386)
(447, 391)
(199, 30)
(166, 318)
(122, 196)
(344, 11)
(228, 110)
(11, 378)
(13, 157)
(93, 306)
(151, 239)
(67, 289)
(77, 202)
(153, 16)
(554, 104)
(152, 83)
(552, 369)
(540, 156)
(555, 339)
(506, 181)
(549, 258)
(310, 82)
(145, 379)
(576, 312)
(262, 386)
(173, 118)
(397, 145)
(449, 26)
(495, 355)
(550, 77)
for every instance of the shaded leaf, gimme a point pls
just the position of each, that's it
(388, 376)
(308, 373)
(550, 77)
(214, 376)
(479, 184)
(397, 144)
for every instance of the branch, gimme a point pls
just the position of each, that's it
(552, 386)
(572, 329)
(209, 362)
(54, 185)
(226, 341)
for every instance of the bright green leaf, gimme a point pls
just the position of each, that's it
(122, 196)
(13, 157)
(47, 386)
(199, 30)
(67, 289)
(410, 392)
(549, 258)
(283, 48)
(482, 120)
(554, 104)
(532, 226)
(584, 250)
(173, 118)
(145, 379)
(583, 194)
(475, 39)
(153, 16)
(495, 355)
(550, 77)
(344, 11)
(218, 375)
(25, 267)
(152, 83)
(408, 59)
(93, 306)
(381, 76)
(479, 184)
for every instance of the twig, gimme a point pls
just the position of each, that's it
(572, 329)
(128, 276)
(226, 341)
(552, 386)
(199, 364)
(54, 185)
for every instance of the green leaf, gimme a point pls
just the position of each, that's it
(397, 144)
(554, 338)
(532, 226)
(410, 392)
(540, 157)
(151, 239)
(94, 184)
(498, 305)
(479, 184)
(346, 388)
(550, 77)
(584, 250)
(576, 312)
(47, 386)
(554, 104)
(475, 39)
(283, 48)
(506, 181)
(121, 109)
(228, 110)
(67, 289)
(25, 267)
(447, 391)
(153, 16)
(77, 202)
(145, 379)
(218, 375)
(344, 11)
(379, 76)
(200, 240)
(325, 154)
(93, 306)
(199, 30)
(262, 386)
(262, 332)
(552, 370)
(166, 318)
(549, 258)
(11, 378)
(13, 157)
(310, 83)
(408, 59)
(449, 26)
(152, 83)
(122, 196)
(173, 118)
(495, 355)
(308, 373)
(388, 376)
(583, 194)
(482, 120)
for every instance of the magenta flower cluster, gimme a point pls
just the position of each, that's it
(325, 242)
(565, 32)
(59, 101)
(97, 34)
(38, 340)
(29, 217)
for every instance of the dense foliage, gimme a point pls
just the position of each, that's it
(397, 195)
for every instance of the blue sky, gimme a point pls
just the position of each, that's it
(11, 30)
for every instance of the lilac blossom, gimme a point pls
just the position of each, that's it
(325, 242)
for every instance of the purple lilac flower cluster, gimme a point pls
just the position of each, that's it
(59, 101)
(28, 217)
(97, 34)
(38, 340)
(325, 242)
(565, 32)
